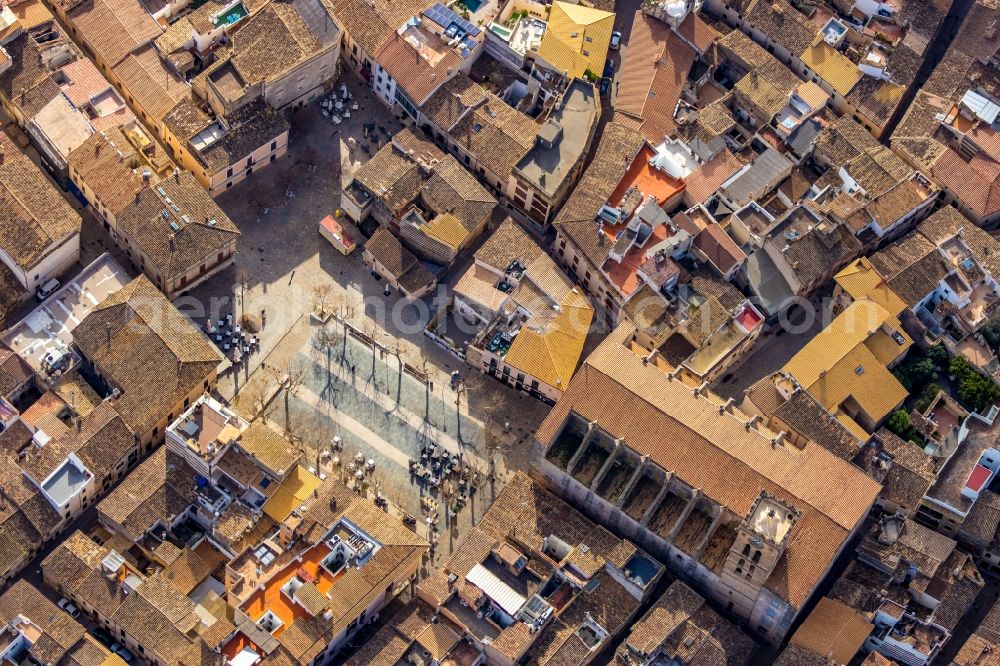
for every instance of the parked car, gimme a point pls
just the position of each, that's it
(67, 607)
(103, 636)
(609, 68)
(605, 87)
(123, 652)
(616, 40)
(47, 289)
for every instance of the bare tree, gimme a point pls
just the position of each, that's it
(371, 332)
(347, 307)
(398, 347)
(424, 365)
(321, 294)
(243, 284)
(254, 397)
(493, 412)
(291, 383)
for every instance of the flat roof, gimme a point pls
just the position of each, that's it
(50, 325)
(66, 481)
(546, 168)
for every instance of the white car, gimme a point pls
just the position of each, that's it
(616, 40)
(47, 289)
(67, 607)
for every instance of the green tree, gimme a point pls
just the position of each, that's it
(938, 354)
(924, 401)
(899, 423)
(991, 333)
(974, 389)
(915, 372)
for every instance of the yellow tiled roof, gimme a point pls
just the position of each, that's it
(848, 360)
(761, 92)
(860, 280)
(832, 66)
(446, 228)
(295, 489)
(812, 94)
(577, 38)
(550, 350)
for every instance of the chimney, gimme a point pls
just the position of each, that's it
(171, 240)
(107, 330)
(97, 149)
(177, 175)
(79, 424)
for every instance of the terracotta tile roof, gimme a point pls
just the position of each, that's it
(976, 181)
(28, 83)
(810, 419)
(398, 261)
(14, 371)
(269, 448)
(371, 24)
(833, 628)
(100, 441)
(782, 23)
(59, 632)
(578, 217)
(860, 280)
(706, 179)
(549, 345)
(911, 266)
(251, 126)
(157, 356)
(416, 76)
(34, 217)
(720, 249)
(827, 366)
(876, 99)
(148, 626)
(281, 37)
(705, 442)
(385, 648)
(697, 32)
(84, 82)
(653, 72)
(110, 178)
(453, 98)
(114, 28)
(194, 225)
(496, 135)
(684, 627)
(155, 87)
(72, 560)
(156, 490)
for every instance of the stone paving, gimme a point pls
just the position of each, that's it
(281, 258)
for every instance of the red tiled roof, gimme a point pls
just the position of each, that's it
(720, 249)
(706, 179)
(656, 65)
(648, 180)
(975, 182)
(417, 77)
(697, 32)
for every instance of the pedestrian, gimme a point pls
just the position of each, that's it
(263, 319)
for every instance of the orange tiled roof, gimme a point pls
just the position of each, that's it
(652, 75)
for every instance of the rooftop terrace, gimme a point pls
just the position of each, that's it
(562, 140)
(49, 327)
